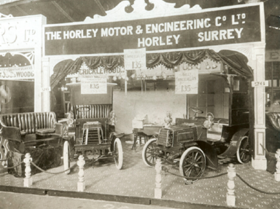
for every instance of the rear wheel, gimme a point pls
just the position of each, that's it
(192, 162)
(66, 157)
(118, 153)
(243, 153)
(149, 153)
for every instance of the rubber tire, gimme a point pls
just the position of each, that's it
(237, 151)
(118, 144)
(150, 141)
(186, 152)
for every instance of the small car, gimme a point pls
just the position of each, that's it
(201, 139)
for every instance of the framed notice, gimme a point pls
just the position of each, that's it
(96, 84)
(186, 82)
(135, 59)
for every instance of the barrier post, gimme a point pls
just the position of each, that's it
(158, 167)
(230, 185)
(277, 172)
(81, 182)
(27, 182)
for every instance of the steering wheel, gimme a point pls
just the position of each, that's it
(208, 123)
(196, 111)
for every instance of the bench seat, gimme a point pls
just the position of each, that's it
(32, 132)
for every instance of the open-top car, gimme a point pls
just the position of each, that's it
(216, 127)
(90, 128)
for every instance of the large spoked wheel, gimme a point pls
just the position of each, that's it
(66, 157)
(149, 153)
(118, 153)
(243, 153)
(192, 163)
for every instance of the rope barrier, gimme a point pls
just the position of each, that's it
(255, 187)
(52, 172)
(192, 178)
(222, 174)
(264, 149)
(14, 166)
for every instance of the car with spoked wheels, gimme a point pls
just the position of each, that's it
(216, 129)
(90, 129)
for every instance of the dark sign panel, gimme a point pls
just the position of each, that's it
(236, 25)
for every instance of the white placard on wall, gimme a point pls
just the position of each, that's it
(186, 82)
(135, 59)
(96, 84)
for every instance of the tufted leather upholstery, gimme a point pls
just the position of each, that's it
(26, 132)
(30, 122)
(92, 111)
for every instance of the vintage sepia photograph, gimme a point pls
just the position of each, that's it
(140, 104)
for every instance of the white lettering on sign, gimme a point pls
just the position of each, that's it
(116, 31)
(218, 35)
(221, 27)
(158, 41)
(178, 25)
(186, 82)
(259, 83)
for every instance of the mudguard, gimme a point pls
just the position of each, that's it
(117, 135)
(210, 153)
(234, 143)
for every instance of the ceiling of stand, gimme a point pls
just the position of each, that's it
(65, 11)
(62, 11)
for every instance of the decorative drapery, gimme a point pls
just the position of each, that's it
(67, 67)
(236, 62)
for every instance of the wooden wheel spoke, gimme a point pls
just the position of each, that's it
(192, 163)
(187, 166)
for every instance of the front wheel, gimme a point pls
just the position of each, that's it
(148, 153)
(118, 153)
(243, 153)
(192, 163)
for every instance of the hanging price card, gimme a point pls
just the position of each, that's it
(96, 84)
(135, 59)
(259, 83)
(186, 82)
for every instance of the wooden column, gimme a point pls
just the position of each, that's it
(259, 161)
(45, 88)
(38, 80)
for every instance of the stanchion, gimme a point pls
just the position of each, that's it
(277, 173)
(158, 191)
(81, 182)
(230, 185)
(66, 154)
(28, 179)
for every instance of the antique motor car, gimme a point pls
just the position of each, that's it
(90, 127)
(36, 133)
(216, 127)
